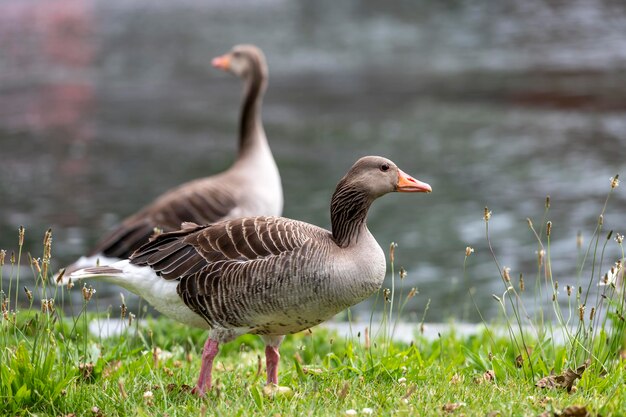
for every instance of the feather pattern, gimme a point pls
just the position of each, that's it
(348, 213)
(204, 201)
(250, 272)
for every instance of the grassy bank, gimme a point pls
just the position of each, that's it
(150, 372)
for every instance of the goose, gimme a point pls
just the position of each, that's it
(269, 276)
(250, 187)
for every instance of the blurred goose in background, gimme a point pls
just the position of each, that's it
(250, 187)
(269, 276)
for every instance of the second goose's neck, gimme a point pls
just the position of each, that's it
(348, 212)
(250, 125)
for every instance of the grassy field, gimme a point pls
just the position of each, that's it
(50, 365)
(150, 372)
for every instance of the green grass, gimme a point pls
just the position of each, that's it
(326, 378)
(51, 366)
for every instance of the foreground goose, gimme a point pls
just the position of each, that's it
(251, 187)
(269, 276)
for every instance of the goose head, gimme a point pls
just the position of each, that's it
(242, 61)
(369, 178)
(377, 176)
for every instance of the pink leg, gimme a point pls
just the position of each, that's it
(209, 352)
(271, 361)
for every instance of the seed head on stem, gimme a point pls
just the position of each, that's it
(36, 265)
(29, 294)
(392, 250)
(506, 276)
(47, 244)
(60, 275)
(468, 251)
(487, 214)
(47, 305)
(123, 307)
(88, 293)
(540, 255)
(615, 181)
(402, 273)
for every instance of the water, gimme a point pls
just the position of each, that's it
(104, 105)
(402, 332)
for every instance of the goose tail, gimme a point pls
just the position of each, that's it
(113, 274)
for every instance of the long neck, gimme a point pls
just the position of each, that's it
(348, 212)
(250, 125)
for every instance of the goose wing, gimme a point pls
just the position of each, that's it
(234, 271)
(199, 201)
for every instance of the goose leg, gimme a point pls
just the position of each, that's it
(209, 352)
(272, 357)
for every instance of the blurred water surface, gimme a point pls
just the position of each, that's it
(106, 104)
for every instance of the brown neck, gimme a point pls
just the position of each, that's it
(250, 125)
(348, 212)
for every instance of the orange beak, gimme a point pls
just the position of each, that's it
(221, 62)
(408, 184)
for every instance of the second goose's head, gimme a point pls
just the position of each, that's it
(244, 61)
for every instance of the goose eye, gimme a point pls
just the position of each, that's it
(384, 167)
(236, 54)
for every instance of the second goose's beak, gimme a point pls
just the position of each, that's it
(408, 184)
(221, 62)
